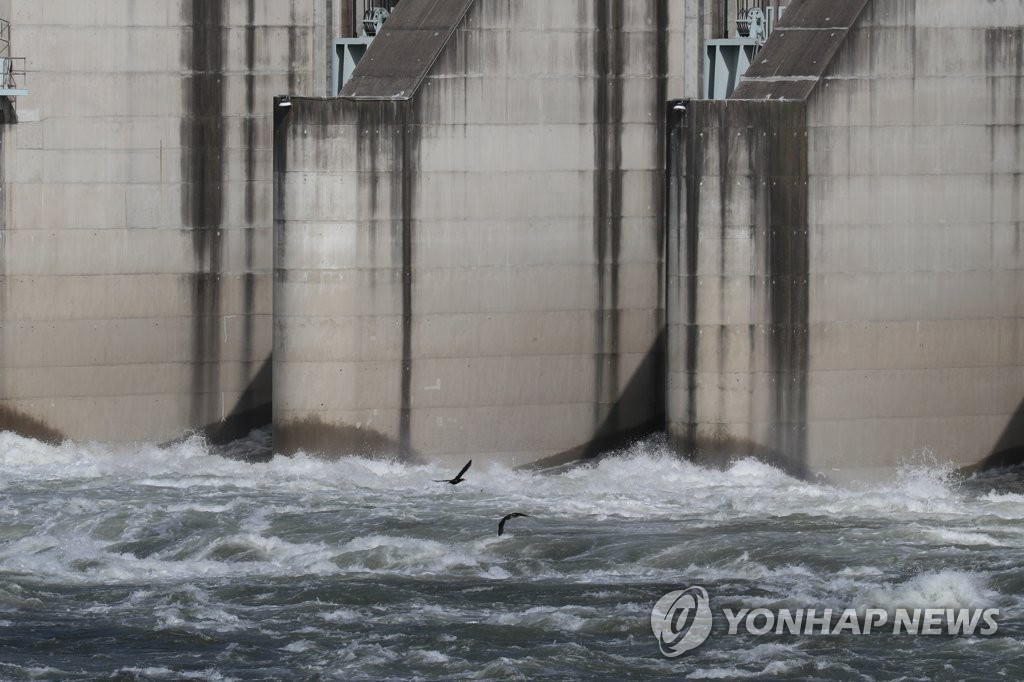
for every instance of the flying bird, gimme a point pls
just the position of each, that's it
(458, 477)
(501, 524)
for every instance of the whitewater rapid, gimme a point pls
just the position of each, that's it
(163, 563)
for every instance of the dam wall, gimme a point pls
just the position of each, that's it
(135, 246)
(845, 255)
(519, 233)
(469, 243)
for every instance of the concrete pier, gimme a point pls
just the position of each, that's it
(469, 242)
(845, 265)
(135, 250)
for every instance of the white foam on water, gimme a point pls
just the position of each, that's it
(81, 559)
(948, 537)
(299, 646)
(192, 609)
(645, 481)
(1008, 506)
(933, 589)
(385, 553)
(163, 673)
(178, 517)
(367, 654)
(759, 660)
(345, 615)
(773, 669)
(428, 656)
(568, 618)
(36, 672)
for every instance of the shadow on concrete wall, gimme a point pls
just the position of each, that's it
(28, 427)
(314, 436)
(1009, 449)
(252, 410)
(644, 394)
(721, 450)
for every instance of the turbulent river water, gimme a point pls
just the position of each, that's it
(150, 563)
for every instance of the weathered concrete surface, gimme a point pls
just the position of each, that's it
(737, 287)
(913, 247)
(477, 269)
(135, 250)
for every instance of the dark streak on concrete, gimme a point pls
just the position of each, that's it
(701, 38)
(785, 169)
(329, 24)
(661, 60)
(280, 161)
(777, 153)
(281, 119)
(366, 167)
(249, 121)
(3, 251)
(317, 437)
(691, 175)
(609, 60)
(407, 182)
(28, 427)
(203, 145)
(387, 134)
(249, 130)
(293, 49)
(724, 135)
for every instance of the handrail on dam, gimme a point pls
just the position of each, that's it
(11, 68)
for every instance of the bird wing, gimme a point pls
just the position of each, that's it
(464, 469)
(501, 526)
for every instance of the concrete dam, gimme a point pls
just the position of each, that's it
(521, 230)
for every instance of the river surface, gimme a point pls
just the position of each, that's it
(148, 563)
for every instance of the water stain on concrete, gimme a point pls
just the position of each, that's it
(28, 427)
(203, 147)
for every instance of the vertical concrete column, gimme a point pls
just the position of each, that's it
(516, 261)
(737, 294)
(136, 190)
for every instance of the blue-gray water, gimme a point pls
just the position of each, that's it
(147, 563)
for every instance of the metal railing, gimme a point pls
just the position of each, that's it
(354, 25)
(12, 72)
(12, 69)
(770, 10)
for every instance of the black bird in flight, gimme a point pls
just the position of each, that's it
(501, 524)
(458, 477)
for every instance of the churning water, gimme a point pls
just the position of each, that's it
(178, 563)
